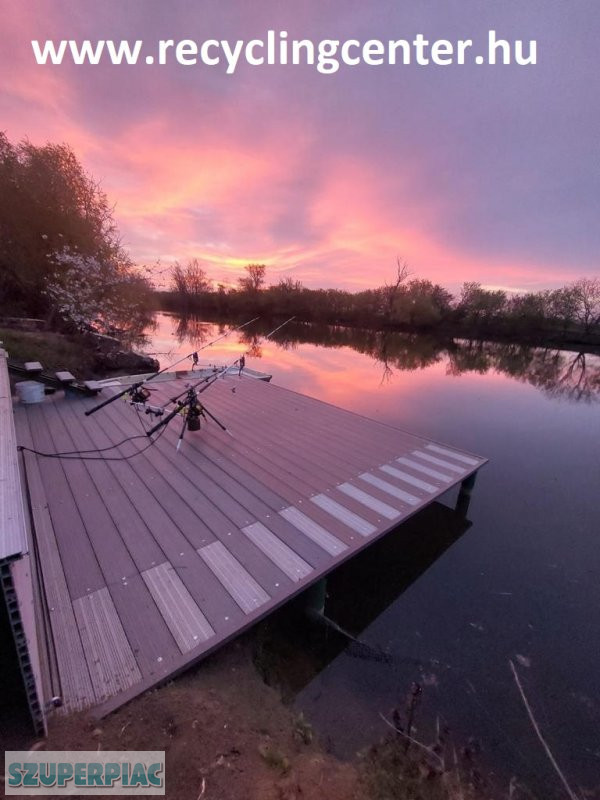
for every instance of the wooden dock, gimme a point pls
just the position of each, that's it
(149, 563)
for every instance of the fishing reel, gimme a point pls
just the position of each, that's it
(138, 397)
(192, 409)
(194, 413)
(139, 394)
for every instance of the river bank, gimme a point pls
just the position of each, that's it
(227, 735)
(84, 356)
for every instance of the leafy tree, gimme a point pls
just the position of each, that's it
(89, 294)
(478, 305)
(48, 204)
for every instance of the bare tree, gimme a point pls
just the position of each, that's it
(189, 281)
(391, 291)
(586, 292)
(254, 279)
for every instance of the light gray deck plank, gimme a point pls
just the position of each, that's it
(390, 489)
(314, 531)
(109, 657)
(387, 511)
(444, 451)
(439, 462)
(408, 478)
(282, 555)
(246, 592)
(341, 513)
(185, 620)
(434, 473)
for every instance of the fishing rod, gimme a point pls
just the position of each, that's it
(192, 402)
(136, 390)
(210, 379)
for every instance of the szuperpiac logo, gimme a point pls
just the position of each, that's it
(84, 773)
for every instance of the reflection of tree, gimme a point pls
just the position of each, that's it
(194, 331)
(252, 342)
(573, 376)
(577, 381)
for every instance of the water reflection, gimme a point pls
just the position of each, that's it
(295, 645)
(573, 376)
(523, 581)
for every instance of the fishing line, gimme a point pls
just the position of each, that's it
(137, 386)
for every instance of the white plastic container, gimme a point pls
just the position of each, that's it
(30, 391)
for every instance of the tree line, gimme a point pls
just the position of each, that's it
(62, 259)
(570, 313)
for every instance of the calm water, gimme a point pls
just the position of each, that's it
(521, 583)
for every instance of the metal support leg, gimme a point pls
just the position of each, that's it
(315, 598)
(464, 496)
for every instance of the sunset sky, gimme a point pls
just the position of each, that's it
(468, 172)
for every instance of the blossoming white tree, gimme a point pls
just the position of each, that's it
(92, 294)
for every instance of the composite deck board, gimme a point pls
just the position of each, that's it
(239, 499)
(337, 470)
(190, 492)
(445, 464)
(183, 616)
(321, 442)
(357, 428)
(406, 479)
(330, 481)
(470, 461)
(13, 531)
(138, 538)
(370, 501)
(110, 659)
(341, 512)
(358, 431)
(269, 443)
(162, 484)
(390, 489)
(63, 640)
(376, 492)
(137, 481)
(235, 499)
(277, 472)
(113, 557)
(278, 552)
(416, 466)
(350, 459)
(319, 534)
(79, 559)
(209, 539)
(199, 580)
(145, 628)
(272, 437)
(151, 641)
(240, 584)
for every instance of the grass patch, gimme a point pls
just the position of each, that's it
(54, 350)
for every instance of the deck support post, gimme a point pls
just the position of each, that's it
(464, 495)
(315, 598)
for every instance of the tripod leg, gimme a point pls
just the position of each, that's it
(212, 416)
(182, 432)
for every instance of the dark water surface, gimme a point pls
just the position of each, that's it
(450, 607)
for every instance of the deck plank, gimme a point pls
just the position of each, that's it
(209, 539)
(63, 641)
(13, 530)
